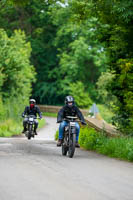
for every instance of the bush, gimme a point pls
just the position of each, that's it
(56, 135)
(16, 78)
(9, 128)
(120, 147)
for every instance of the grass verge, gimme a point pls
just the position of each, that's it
(119, 147)
(10, 127)
(41, 123)
(48, 114)
(56, 135)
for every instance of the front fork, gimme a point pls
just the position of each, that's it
(72, 130)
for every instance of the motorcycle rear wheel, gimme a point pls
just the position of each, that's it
(64, 150)
(64, 146)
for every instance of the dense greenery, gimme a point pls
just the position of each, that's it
(119, 147)
(16, 76)
(83, 48)
(62, 51)
(118, 15)
(12, 127)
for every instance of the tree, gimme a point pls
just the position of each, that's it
(81, 97)
(17, 74)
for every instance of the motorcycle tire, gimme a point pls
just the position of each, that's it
(71, 149)
(64, 150)
(29, 132)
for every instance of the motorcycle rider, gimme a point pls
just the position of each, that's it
(32, 109)
(69, 110)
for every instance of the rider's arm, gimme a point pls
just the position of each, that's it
(39, 112)
(25, 111)
(60, 115)
(80, 115)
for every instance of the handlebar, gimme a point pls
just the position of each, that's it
(28, 116)
(69, 118)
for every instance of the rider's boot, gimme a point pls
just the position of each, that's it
(24, 130)
(77, 145)
(35, 132)
(59, 142)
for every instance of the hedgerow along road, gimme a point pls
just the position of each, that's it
(36, 170)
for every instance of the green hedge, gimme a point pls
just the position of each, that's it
(9, 128)
(120, 147)
(41, 123)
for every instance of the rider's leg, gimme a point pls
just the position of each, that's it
(77, 134)
(24, 125)
(61, 130)
(35, 126)
(77, 131)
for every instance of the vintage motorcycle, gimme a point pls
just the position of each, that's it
(30, 126)
(69, 137)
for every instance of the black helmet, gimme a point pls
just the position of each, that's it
(69, 99)
(32, 101)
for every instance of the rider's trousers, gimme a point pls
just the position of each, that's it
(35, 121)
(62, 126)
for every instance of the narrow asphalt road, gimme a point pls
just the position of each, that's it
(36, 170)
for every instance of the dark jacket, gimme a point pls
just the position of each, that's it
(67, 111)
(34, 111)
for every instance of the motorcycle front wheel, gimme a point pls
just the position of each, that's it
(72, 141)
(29, 131)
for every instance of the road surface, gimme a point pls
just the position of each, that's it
(36, 170)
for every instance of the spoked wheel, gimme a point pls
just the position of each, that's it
(72, 142)
(64, 148)
(29, 132)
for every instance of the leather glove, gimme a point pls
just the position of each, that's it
(59, 121)
(84, 123)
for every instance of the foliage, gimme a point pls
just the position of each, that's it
(41, 123)
(2, 110)
(82, 57)
(117, 16)
(88, 138)
(17, 73)
(71, 41)
(62, 50)
(105, 96)
(49, 114)
(122, 87)
(16, 79)
(119, 147)
(10, 127)
(56, 135)
(106, 112)
(81, 97)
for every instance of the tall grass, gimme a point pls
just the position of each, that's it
(120, 147)
(10, 127)
(49, 114)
